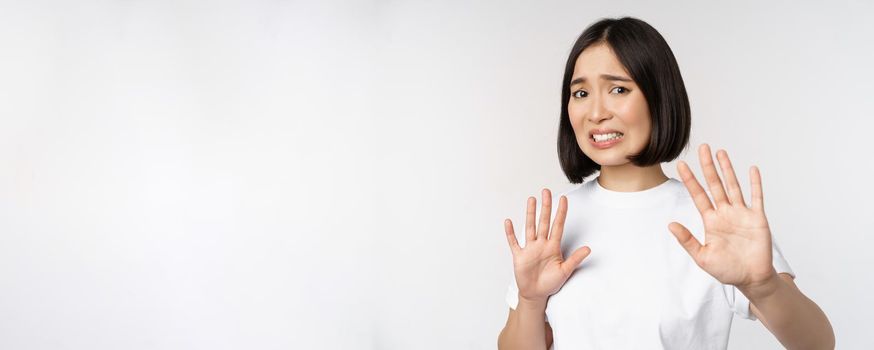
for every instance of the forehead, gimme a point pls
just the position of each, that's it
(598, 59)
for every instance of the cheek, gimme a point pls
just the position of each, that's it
(574, 114)
(630, 109)
(576, 128)
(637, 116)
(644, 128)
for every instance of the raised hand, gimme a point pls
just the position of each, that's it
(737, 238)
(539, 268)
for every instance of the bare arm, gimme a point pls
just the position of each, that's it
(796, 321)
(738, 251)
(526, 328)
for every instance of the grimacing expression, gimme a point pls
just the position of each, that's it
(603, 96)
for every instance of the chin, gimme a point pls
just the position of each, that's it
(604, 159)
(611, 162)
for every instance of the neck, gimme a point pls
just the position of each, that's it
(631, 178)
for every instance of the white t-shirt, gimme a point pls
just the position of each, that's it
(638, 289)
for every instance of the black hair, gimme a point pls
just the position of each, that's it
(651, 64)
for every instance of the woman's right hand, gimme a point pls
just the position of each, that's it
(539, 268)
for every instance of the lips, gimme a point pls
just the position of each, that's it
(605, 144)
(603, 131)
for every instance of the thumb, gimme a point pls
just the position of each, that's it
(575, 259)
(686, 239)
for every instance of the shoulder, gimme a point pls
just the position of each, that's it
(577, 190)
(683, 205)
(683, 194)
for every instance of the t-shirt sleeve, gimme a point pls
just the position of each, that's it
(739, 303)
(512, 297)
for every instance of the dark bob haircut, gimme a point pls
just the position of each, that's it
(651, 64)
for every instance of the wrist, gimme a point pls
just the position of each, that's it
(532, 304)
(763, 289)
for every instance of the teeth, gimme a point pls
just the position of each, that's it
(605, 137)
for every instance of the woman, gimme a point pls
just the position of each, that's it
(624, 112)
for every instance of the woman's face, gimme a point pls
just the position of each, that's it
(604, 99)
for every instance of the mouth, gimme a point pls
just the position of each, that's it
(605, 140)
(605, 136)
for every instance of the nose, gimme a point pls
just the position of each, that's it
(598, 112)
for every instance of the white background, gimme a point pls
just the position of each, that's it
(334, 175)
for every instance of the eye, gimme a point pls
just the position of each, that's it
(578, 93)
(624, 90)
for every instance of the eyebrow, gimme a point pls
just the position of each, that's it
(603, 76)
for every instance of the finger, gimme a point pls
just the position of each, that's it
(758, 202)
(575, 259)
(529, 220)
(734, 192)
(545, 213)
(713, 181)
(702, 201)
(558, 223)
(686, 239)
(511, 237)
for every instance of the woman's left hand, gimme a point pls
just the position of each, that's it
(737, 239)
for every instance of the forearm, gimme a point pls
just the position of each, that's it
(796, 321)
(525, 330)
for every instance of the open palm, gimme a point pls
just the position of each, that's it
(737, 238)
(539, 268)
